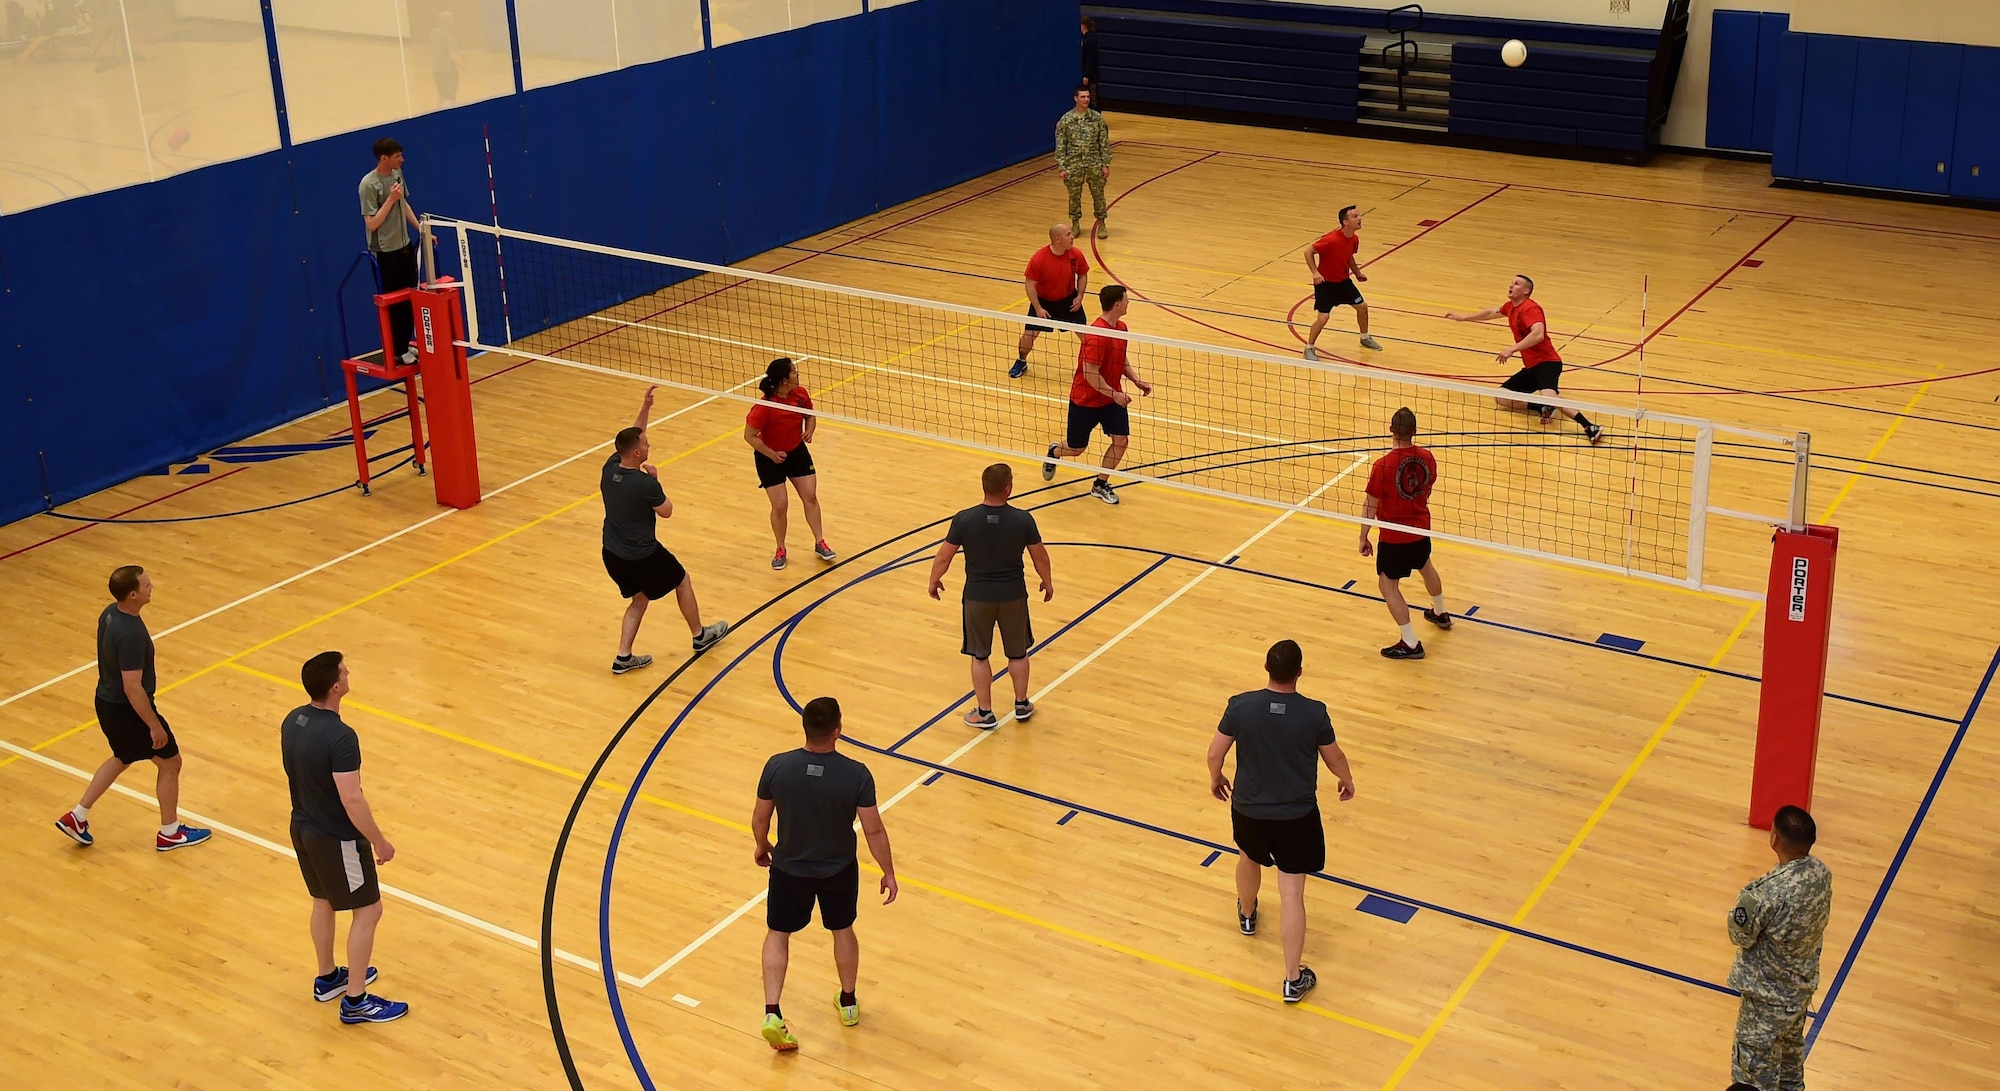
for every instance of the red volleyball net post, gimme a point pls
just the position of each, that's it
(1798, 617)
(438, 317)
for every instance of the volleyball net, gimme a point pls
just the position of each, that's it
(1273, 430)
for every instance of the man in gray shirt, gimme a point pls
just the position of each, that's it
(386, 213)
(642, 568)
(817, 794)
(1281, 738)
(132, 724)
(993, 535)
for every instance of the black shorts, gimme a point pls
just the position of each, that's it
(1017, 635)
(655, 576)
(790, 906)
(341, 873)
(1062, 310)
(1397, 560)
(1082, 418)
(1535, 378)
(798, 463)
(131, 740)
(1328, 294)
(1296, 845)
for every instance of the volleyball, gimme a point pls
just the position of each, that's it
(1514, 53)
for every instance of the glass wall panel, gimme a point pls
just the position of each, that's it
(735, 20)
(352, 64)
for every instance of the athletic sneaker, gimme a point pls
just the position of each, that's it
(778, 559)
(1594, 433)
(1548, 415)
(1441, 620)
(78, 832)
(1296, 989)
(823, 551)
(1246, 923)
(1049, 466)
(183, 836)
(1368, 342)
(369, 1008)
(625, 663)
(410, 355)
(1023, 710)
(1400, 650)
(777, 1033)
(1103, 491)
(982, 718)
(1019, 369)
(850, 1014)
(333, 985)
(1311, 353)
(709, 634)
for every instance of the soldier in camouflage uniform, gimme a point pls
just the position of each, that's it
(1083, 155)
(1779, 922)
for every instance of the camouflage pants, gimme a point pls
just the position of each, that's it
(1094, 178)
(1770, 1045)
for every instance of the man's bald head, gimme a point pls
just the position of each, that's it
(1060, 238)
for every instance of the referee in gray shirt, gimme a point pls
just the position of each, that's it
(386, 213)
(1281, 737)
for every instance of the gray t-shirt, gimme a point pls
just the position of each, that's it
(630, 495)
(394, 234)
(1278, 736)
(817, 795)
(993, 538)
(316, 744)
(123, 644)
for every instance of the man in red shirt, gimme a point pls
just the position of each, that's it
(1334, 271)
(1056, 280)
(1399, 491)
(1096, 397)
(1541, 367)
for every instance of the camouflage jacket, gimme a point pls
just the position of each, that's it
(1779, 922)
(1083, 141)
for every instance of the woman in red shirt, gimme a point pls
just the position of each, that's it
(779, 436)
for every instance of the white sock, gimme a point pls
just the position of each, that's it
(81, 812)
(170, 829)
(1409, 635)
(1437, 604)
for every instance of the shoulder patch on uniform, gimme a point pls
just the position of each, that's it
(1277, 708)
(820, 771)
(1741, 916)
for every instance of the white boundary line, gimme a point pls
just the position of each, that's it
(1369, 374)
(417, 900)
(737, 914)
(353, 553)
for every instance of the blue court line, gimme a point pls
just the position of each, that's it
(1064, 820)
(932, 779)
(1400, 912)
(1902, 853)
(1622, 643)
(1212, 858)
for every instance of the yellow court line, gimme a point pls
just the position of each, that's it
(378, 593)
(739, 827)
(1618, 788)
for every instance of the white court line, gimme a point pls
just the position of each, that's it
(417, 900)
(353, 553)
(1096, 653)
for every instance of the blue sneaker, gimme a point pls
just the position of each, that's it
(1019, 369)
(369, 1008)
(184, 835)
(334, 984)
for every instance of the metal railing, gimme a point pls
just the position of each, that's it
(1407, 51)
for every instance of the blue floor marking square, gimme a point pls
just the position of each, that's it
(197, 468)
(1400, 912)
(932, 779)
(1212, 858)
(1064, 820)
(1622, 643)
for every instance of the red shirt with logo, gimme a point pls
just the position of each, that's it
(1401, 485)
(1055, 274)
(1108, 353)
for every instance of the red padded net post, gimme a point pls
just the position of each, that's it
(439, 319)
(1798, 616)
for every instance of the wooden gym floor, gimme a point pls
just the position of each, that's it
(1565, 818)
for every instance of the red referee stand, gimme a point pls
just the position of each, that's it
(438, 325)
(1798, 625)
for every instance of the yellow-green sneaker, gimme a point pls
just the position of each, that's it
(850, 1014)
(778, 1034)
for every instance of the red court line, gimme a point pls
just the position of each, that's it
(80, 528)
(1685, 307)
(1833, 220)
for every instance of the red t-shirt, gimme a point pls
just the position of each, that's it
(1522, 317)
(1055, 274)
(783, 429)
(1401, 485)
(1108, 353)
(1335, 250)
